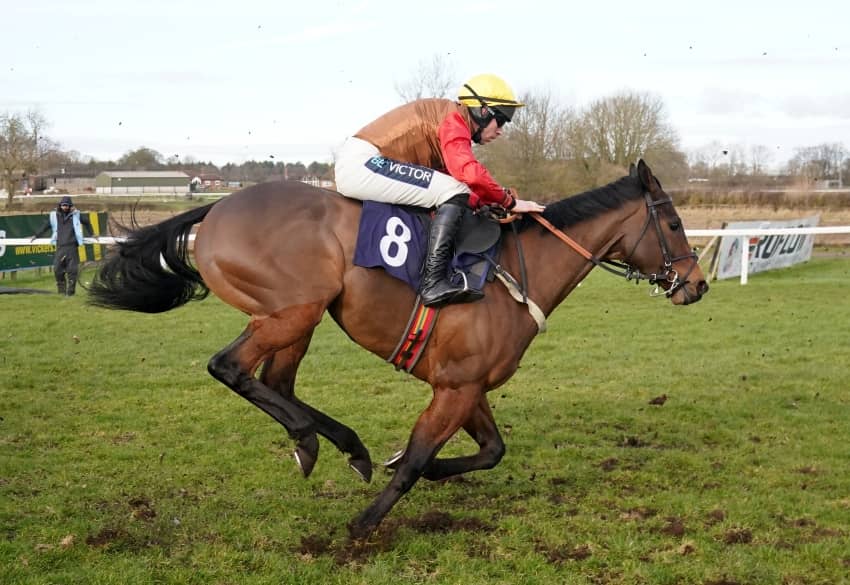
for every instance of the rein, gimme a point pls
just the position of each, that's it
(625, 269)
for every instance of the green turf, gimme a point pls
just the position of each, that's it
(122, 461)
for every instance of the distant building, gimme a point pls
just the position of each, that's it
(139, 182)
(317, 182)
(207, 182)
(211, 181)
(828, 184)
(65, 183)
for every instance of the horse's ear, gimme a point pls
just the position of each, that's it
(632, 170)
(645, 173)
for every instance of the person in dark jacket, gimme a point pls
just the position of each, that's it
(67, 224)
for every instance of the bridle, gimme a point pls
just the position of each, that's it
(625, 269)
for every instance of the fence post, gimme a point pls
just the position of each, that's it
(745, 258)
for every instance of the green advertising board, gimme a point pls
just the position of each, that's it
(38, 255)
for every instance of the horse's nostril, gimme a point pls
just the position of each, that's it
(702, 287)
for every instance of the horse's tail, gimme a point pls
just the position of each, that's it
(150, 271)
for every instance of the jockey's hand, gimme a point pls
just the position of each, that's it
(492, 211)
(523, 206)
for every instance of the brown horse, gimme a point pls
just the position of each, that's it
(282, 253)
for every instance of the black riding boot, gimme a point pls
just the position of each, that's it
(72, 286)
(60, 286)
(436, 289)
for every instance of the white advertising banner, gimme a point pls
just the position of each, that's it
(766, 252)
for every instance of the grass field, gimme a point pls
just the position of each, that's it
(122, 461)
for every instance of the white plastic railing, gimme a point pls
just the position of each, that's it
(746, 233)
(743, 233)
(46, 241)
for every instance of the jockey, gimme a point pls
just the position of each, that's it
(421, 154)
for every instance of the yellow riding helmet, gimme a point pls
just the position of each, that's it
(487, 90)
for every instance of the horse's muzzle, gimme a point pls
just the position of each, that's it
(688, 294)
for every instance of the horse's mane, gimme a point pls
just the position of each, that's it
(589, 204)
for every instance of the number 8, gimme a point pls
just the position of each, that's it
(399, 234)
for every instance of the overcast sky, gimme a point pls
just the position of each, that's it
(233, 81)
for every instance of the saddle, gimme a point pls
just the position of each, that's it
(395, 238)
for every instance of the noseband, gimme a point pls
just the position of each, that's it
(624, 268)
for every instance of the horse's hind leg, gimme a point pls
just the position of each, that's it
(237, 363)
(279, 374)
(344, 438)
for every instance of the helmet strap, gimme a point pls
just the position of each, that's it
(481, 121)
(476, 136)
(475, 95)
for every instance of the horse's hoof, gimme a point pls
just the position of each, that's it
(306, 453)
(363, 467)
(359, 531)
(392, 462)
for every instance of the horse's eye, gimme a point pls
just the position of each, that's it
(675, 225)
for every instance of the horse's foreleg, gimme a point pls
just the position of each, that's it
(449, 409)
(482, 428)
(236, 365)
(279, 374)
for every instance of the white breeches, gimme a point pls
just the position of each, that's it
(362, 173)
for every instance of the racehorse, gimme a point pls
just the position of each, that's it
(282, 253)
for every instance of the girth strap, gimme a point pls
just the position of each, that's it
(515, 292)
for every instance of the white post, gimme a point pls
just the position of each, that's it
(745, 258)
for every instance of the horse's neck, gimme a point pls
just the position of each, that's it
(555, 269)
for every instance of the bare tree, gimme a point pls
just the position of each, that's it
(534, 152)
(760, 156)
(708, 156)
(817, 162)
(22, 147)
(550, 150)
(624, 127)
(615, 131)
(540, 129)
(431, 78)
(734, 162)
(834, 154)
